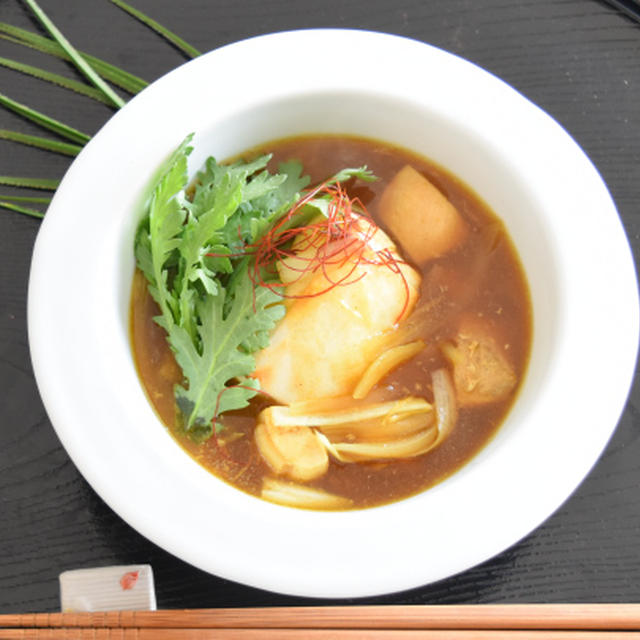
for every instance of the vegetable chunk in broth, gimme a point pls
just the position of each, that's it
(388, 320)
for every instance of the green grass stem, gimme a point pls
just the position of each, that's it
(54, 78)
(56, 146)
(44, 121)
(28, 211)
(175, 40)
(30, 183)
(121, 78)
(77, 59)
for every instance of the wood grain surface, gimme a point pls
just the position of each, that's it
(577, 59)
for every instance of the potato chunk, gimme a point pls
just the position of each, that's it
(419, 216)
(294, 452)
(481, 370)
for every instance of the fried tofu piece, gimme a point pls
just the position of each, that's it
(419, 216)
(482, 372)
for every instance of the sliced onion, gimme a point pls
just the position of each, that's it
(383, 364)
(283, 416)
(389, 427)
(295, 495)
(446, 407)
(410, 447)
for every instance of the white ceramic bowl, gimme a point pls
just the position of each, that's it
(513, 155)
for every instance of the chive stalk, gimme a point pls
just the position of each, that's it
(28, 211)
(121, 78)
(77, 59)
(42, 143)
(44, 121)
(175, 40)
(31, 183)
(54, 78)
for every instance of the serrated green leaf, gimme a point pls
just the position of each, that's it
(197, 257)
(158, 235)
(361, 173)
(221, 358)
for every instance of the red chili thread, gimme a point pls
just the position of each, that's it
(339, 239)
(216, 415)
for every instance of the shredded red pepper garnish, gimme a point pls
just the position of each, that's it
(216, 415)
(342, 238)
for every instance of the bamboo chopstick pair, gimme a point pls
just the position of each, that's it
(444, 622)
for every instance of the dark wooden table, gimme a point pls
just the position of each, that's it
(577, 59)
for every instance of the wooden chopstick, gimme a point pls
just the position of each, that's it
(605, 617)
(147, 633)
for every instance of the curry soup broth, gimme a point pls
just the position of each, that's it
(482, 278)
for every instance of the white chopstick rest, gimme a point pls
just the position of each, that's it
(116, 588)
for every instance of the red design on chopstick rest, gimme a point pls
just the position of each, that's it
(128, 580)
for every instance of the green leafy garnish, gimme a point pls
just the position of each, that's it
(194, 254)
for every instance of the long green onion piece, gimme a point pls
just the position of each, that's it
(42, 143)
(163, 31)
(28, 211)
(32, 183)
(54, 78)
(77, 59)
(44, 121)
(119, 77)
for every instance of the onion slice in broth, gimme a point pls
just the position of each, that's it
(446, 407)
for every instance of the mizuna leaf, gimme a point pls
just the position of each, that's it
(196, 258)
(159, 234)
(222, 358)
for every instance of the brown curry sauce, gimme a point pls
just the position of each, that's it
(482, 277)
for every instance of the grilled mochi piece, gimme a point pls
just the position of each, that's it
(346, 313)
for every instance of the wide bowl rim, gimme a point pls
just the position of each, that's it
(397, 570)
